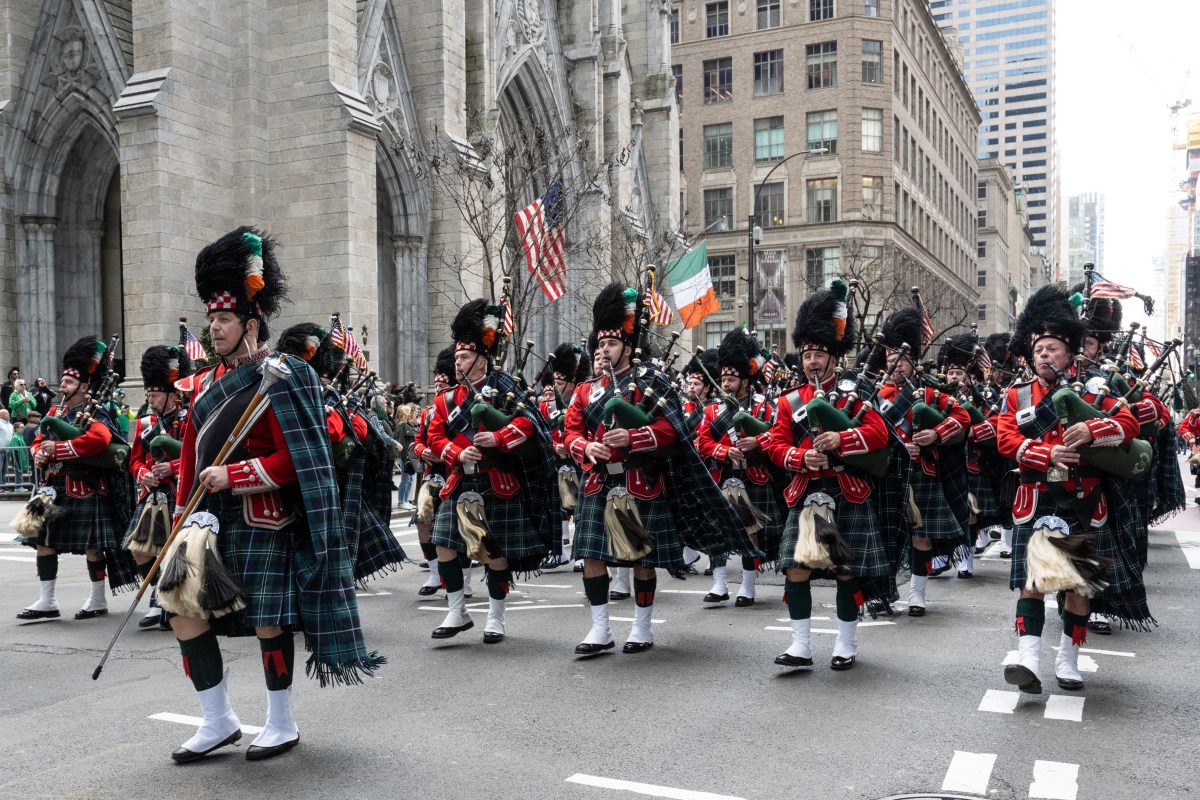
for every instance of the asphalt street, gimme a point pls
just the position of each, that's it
(704, 715)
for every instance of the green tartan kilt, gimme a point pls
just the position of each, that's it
(506, 516)
(938, 523)
(980, 486)
(1143, 502)
(591, 539)
(857, 524)
(763, 498)
(86, 523)
(262, 561)
(137, 514)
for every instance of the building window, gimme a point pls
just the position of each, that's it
(718, 146)
(718, 80)
(681, 150)
(723, 270)
(821, 65)
(872, 197)
(870, 258)
(822, 200)
(773, 336)
(819, 10)
(768, 73)
(718, 209)
(871, 8)
(981, 251)
(982, 312)
(768, 205)
(677, 71)
(821, 264)
(674, 26)
(714, 332)
(872, 130)
(822, 131)
(981, 278)
(872, 61)
(768, 14)
(981, 190)
(981, 218)
(717, 15)
(768, 139)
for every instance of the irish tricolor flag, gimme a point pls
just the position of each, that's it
(692, 287)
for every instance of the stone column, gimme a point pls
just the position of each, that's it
(412, 311)
(37, 344)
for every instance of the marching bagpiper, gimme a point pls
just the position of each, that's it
(700, 373)
(154, 460)
(269, 573)
(84, 504)
(1073, 530)
(733, 436)
(433, 477)
(497, 501)
(567, 367)
(1004, 370)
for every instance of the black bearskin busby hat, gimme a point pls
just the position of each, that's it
(568, 362)
(83, 358)
(162, 365)
(444, 366)
(998, 352)
(957, 351)
(476, 327)
(1049, 312)
(313, 344)
(239, 273)
(704, 360)
(615, 316)
(824, 322)
(902, 327)
(1102, 315)
(740, 355)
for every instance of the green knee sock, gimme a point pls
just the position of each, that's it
(202, 660)
(848, 600)
(1031, 616)
(799, 599)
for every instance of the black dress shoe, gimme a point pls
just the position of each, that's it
(979, 550)
(589, 649)
(916, 611)
(785, 660)
(678, 573)
(937, 572)
(1070, 684)
(614, 595)
(450, 632)
(1006, 553)
(492, 638)
(840, 663)
(146, 623)
(965, 573)
(578, 568)
(85, 614)
(553, 562)
(708, 571)
(636, 647)
(256, 753)
(1023, 678)
(743, 602)
(716, 598)
(1100, 626)
(30, 613)
(426, 591)
(184, 756)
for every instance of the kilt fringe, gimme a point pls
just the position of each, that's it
(344, 673)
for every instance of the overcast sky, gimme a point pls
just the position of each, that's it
(1119, 68)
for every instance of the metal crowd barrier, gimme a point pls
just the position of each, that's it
(18, 474)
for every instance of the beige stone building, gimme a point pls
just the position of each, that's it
(850, 123)
(132, 132)
(1009, 268)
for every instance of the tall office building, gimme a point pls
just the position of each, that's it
(1008, 61)
(1085, 235)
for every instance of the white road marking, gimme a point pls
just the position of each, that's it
(631, 619)
(550, 586)
(969, 772)
(184, 719)
(682, 591)
(788, 619)
(362, 593)
(1106, 652)
(1189, 543)
(998, 701)
(7, 537)
(1060, 706)
(646, 788)
(25, 559)
(1054, 780)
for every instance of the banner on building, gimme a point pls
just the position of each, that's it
(770, 275)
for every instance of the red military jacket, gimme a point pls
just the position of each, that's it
(788, 453)
(337, 426)
(550, 412)
(647, 439)
(957, 420)
(504, 482)
(1151, 409)
(91, 442)
(256, 479)
(1189, 428)
(1033, 455)
(718, 449)
(140, 459)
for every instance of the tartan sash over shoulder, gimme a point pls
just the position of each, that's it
(324, 570)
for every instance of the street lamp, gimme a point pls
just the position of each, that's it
(754, 232)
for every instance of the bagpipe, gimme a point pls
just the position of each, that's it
(1131, 459)
(154, 525)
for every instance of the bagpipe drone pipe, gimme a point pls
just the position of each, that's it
(1131, 459)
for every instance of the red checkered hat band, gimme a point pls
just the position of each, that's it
(731, 371)
(820, 348)
(156, 388)
(222, 302)
(71, 372)
(615, 333)
(465, 346)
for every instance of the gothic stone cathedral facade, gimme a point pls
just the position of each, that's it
(133, 132)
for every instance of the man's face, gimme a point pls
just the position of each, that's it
(562, 386)
(695, 387)
(1091, 348)
(904, 367)
(440, 384)
(157, 401)
(1048, 354)
(733, 384)
(818, 362)
(613, 351)
(469, 365)
(68, 386)
(226, 330)
(955, 374)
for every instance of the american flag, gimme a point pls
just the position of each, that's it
(1135, 359)
(509, 322)
(346, 341)
(660, 312)
(543, 241)
(982, 358)
(926, 324)
(768, 369)
(1107, 290)
(192, 346)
